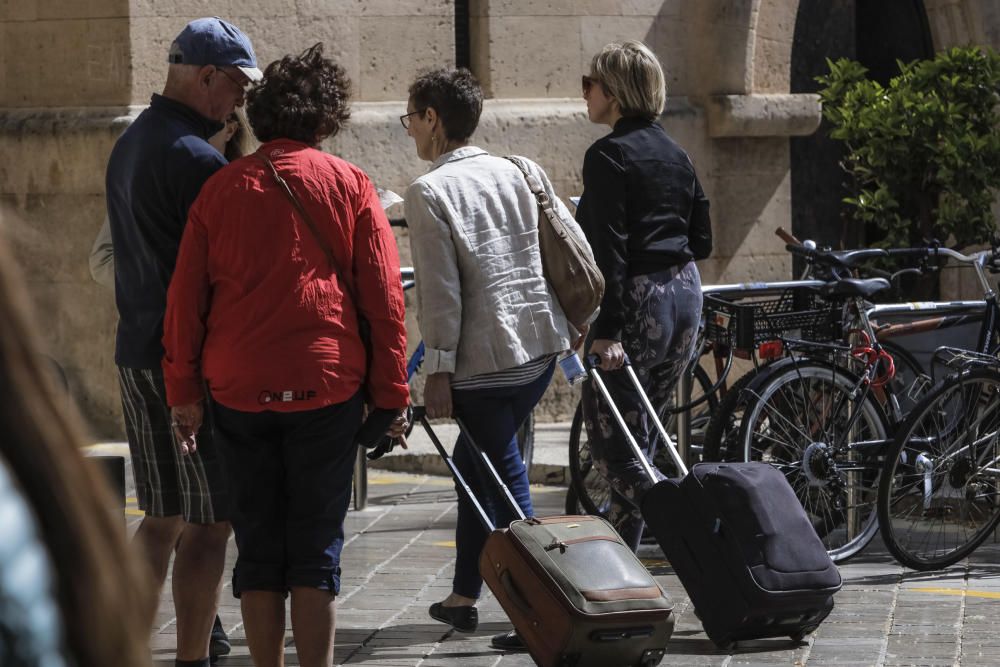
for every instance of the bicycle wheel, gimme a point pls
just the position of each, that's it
(526, 440)
(593, 491)
(723, 427)
(797, 419)
(572, 502)
(939, 495)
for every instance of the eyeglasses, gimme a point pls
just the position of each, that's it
(588, 83)
(244, 87)
(405, 118)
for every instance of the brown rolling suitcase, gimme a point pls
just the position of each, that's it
(576, 594)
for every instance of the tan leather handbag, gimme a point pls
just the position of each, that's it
(567, 262)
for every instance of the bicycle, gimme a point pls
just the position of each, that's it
(588, 491)
(939, 491)
(825, 413)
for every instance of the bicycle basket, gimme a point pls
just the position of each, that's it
(795, 313)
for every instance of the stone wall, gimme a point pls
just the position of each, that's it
(73, 72)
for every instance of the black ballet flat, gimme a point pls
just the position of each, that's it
(463, 619)
(509, 642)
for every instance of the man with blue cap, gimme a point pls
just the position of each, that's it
(154, 174)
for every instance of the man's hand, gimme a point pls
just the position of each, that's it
(186, 420)
(610, 352)
(397, 429)
(437, 395)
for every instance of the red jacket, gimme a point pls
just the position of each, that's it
(253, 307)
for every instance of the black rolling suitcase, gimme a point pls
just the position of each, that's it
(576, 593)
(739, 541)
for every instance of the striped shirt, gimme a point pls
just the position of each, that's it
(508, 377)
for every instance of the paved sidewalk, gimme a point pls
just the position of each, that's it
(399, 559)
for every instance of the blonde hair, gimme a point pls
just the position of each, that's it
(631, 73)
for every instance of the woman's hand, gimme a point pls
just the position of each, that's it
(610, 352)
(186, 420)
(437, 395)
(582, 337)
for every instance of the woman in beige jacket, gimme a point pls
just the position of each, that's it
(491, 326)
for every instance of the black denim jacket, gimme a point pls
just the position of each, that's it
(642, 209)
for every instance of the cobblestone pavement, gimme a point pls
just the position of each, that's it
(400, 554)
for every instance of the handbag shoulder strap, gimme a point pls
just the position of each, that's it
(303, 213)
(324, 246)
(542, 197)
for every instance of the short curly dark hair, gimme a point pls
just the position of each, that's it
(456, 96)
(304, 98)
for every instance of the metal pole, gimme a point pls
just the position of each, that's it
(683, 397)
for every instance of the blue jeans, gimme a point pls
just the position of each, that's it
(492, 417)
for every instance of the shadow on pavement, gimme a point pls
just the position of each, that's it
(415, 498)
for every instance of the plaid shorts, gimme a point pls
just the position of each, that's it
(167, 483)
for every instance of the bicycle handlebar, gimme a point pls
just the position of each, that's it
(919, 253)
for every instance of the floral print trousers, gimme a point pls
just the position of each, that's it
(663, 312)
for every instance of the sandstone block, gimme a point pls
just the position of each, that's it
(49, 152)
(772, 65)
(80, 9)
(393, 50)
(776, 20)
(226, 9)
(66, 63)
(374, 8)
(18, 10)
(750, 156)
(763, 115)
(564, 8)
(660, 8)
(534, 56)
(341, 41)
(746, 208)
(596, 31)
(52, 234)
(735, 13)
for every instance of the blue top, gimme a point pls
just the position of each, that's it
(31, 632)
(154, 174)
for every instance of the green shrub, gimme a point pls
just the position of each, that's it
(924, 151)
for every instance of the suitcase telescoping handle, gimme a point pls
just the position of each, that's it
(593, 363)
(420, 415)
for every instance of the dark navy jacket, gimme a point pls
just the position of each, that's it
(642, 209)
(155, 172)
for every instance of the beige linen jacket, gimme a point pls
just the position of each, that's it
(482, 302)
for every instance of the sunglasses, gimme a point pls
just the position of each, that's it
(244, 87)
(589, 82)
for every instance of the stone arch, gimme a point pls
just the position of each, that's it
(772, 28)
(770, 52)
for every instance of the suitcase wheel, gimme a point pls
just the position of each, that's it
(725, 644)
(801, 634)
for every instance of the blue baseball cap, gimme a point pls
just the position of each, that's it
(212, 41)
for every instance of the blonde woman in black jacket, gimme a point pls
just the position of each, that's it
(646, 217)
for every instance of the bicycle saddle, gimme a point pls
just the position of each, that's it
(853, 258)
(848, 287)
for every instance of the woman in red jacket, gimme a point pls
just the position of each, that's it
(264, 307)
